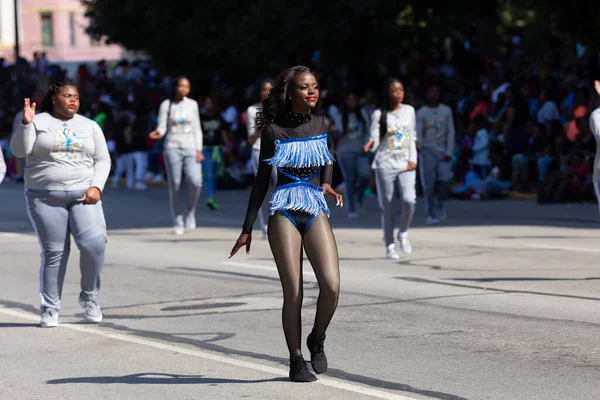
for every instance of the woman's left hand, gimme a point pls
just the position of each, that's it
(328, 190)
(411, 166)
(199, 156)
(91, 196)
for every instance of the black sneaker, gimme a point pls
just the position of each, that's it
(318, 359)
(299, 370)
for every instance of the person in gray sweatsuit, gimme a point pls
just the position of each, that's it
(595, 127)
(67, 166)
(179, 120)
(435, 141)
(393, 137)
(2, 166)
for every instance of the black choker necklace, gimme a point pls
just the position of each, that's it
(298, 118)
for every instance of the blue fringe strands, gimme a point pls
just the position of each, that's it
(301, 152)
(299, 196)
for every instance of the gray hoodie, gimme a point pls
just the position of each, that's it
(62, 154)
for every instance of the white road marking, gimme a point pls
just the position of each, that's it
(550, 247)
(95, 330)
(262, 267)
(16, 235)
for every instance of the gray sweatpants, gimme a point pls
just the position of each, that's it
(264, 208)
(387, 181)
(436, 175)
(177, 163)
(55, 216)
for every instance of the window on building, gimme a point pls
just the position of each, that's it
(47, 30)
(72, 28)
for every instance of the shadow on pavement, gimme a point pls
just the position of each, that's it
(157, 379)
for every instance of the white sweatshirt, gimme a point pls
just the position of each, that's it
(398, 146)
(62, 154)
(595, 126)
(251, 123)
(185, 131)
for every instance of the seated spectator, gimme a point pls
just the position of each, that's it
(480, 160)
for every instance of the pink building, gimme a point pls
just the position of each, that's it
(56, 27)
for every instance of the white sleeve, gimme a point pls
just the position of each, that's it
(101, 159)
(375, 129)
(23, 140)
(412, 150)
(595, 124)
(163, 118)
(251, 120)
(2, 166)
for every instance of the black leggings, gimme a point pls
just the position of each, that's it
(319, 244)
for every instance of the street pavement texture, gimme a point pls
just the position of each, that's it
(501, 301)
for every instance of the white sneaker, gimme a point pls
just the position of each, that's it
(178, 230)
(405, 246)
(148, 176)
(140, 186)
(158, 178)
(391, 253)
(93, 313)
(49, 318)
(432, 221)
(190, 220)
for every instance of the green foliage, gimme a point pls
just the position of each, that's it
(244, 39)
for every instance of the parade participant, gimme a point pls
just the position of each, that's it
(179, 120)
(297, 144)
(67, 166)
(393, 134)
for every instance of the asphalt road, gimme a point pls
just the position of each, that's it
(500, 302)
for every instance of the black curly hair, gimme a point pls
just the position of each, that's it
(277, 104)
(53, 90)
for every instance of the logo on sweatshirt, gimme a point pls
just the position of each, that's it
(180, 118)
(398, 137)
(434, 129)
(68, 144)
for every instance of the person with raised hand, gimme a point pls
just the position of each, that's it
(67, 167)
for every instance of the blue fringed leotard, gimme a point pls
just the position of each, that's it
(299, 149)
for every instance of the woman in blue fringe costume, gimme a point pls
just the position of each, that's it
(297, 144)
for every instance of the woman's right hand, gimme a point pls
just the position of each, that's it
(368, 146)
(28, 112)
(244, 239)
(154, 135)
